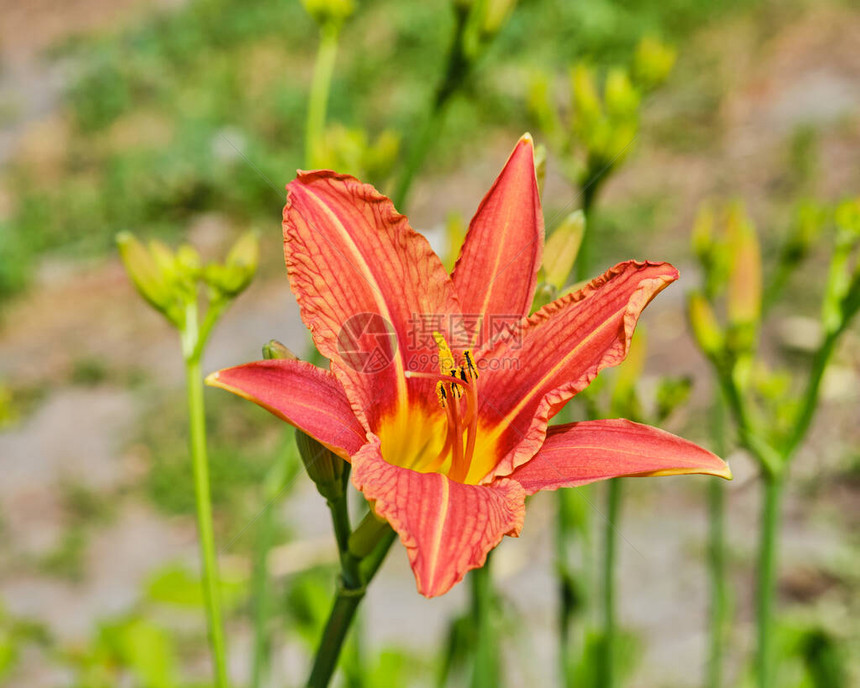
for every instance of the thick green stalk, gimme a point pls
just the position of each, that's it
(342, 531)
(456, 70)
(486, 672)
(342, 614)
(606, 661)
(320, 87)
(200, 463)
(766, 588)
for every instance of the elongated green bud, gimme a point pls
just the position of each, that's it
(653, 62)
(324, 467)
(586, 102)
(706, 330)
(561, 249)
(365, 537)
(154, 274)
(146, 275)
(540, 166)
(743, 307)
(621, 98)
(495, 15)
(238, 269)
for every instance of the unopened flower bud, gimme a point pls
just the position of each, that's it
(364, 539)
(706, 330)
(496, 15)
(653, 62)
(273, 349)
(540, 166)
(241, 264)
(586, 102)
(621, 99)
(145, 273)
(805, 232)
(743, 306)
(561, 249)
(323, 466)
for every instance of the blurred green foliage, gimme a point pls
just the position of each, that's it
(243, 445)
(201, 108)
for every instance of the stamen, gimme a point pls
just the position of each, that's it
(446, 358)
(470, 365)
(458, 395)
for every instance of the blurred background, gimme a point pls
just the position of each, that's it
(183, 120)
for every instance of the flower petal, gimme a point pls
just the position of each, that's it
(298, 392)
(447, 527)
(557, 353)
(497, 268)
(361, 276)
(579, 453)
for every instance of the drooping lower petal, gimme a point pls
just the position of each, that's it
(556, 354)
(497, 268)
(362, 277)
(447, 527)
(298, 392)
(580, 453)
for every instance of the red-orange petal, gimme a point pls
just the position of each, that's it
(355, 264)
(298, 392)
(561, 349)
(580, 453)
(447, 527)
(497, 268)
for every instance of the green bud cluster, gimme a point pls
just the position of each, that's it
(729, 254)
(352, 151)
(171, 280)
(603, 119)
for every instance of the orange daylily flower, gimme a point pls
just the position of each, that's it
(441, 387)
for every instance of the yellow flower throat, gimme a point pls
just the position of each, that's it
(415, 443)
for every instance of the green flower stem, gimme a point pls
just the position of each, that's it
(342, 531)
(343, 612)
(810, 398)
(486, 673)
(320, 88)
(340, 619)
(200, 463)
(766, 589)
(606, 661)
(718, 612)
(456, 71)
